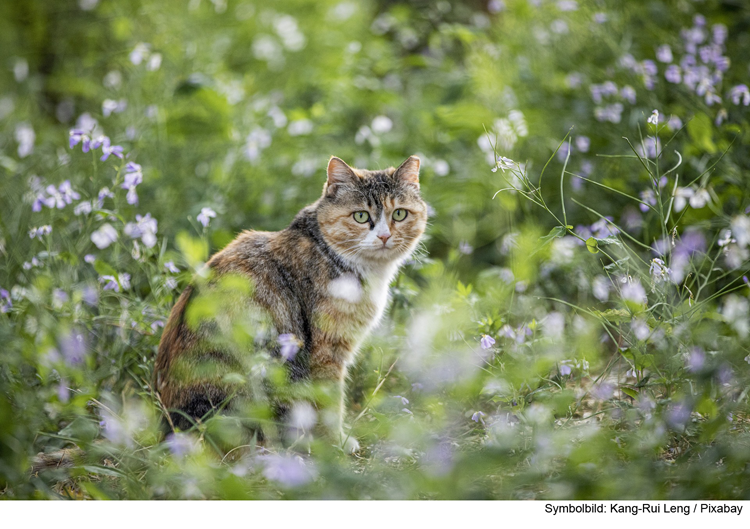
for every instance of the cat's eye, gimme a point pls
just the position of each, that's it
(399, 214)
(361, 216)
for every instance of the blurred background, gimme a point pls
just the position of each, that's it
(537, 348)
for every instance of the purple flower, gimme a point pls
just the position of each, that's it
(83, 208)
(679, 415)
(104, 193)
(465, 248)
(289, 346)
(692, 241)
(603, 228)
(67, 192)
(90, 296)
(740, 93)
(696, 360)
(633, 291)
(288, 471)
(583, 143)
(108, 149)
(649, 67)
(477, 417)
(565, 370)
(181, 444)
(144, 228)
(41, 231)
(664, 53)
(104, 236)
(603, 391)
(649, 198)
(672, 74)
(76, 136)
(487, 341)
(719, 33)
(205, 216)
(114, 283)
(628, 94)
(133, 175)
(39, 201)
(98, 141)
(73, 347)
(611, 113)
(404, 400)
(5, 302)
(63, 393)
(170, 267)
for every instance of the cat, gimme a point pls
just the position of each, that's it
(322, 283)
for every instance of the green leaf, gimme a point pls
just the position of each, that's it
(592, 245)
(629, 392)
(700, 130)
(555, 233)
(614, 315)
(609, 240)
(617, 264)
(103, 269)
(464, 290)
(194, 250)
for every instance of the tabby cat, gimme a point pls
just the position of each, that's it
(322, 283)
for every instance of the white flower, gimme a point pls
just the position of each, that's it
(699, 199)
(600, 288)
(633, 291)
(25, 137)
(144, 228)
(300, 127)
(83, 208)
(741, 230)
(205, 216)
(654, 118)
(104, 236)
(659, 271)
(735, 312)
(681, 196)
(726, 238)
(381, 124)
(640, 329)
(503, 163)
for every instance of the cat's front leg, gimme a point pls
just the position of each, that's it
(330, 379)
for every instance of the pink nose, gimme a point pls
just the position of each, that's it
(384, 238)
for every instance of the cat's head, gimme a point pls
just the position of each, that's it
(372, 217)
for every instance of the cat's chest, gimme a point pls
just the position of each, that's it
(355, 303)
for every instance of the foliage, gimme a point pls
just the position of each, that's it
(578, 328)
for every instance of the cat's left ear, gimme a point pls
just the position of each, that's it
(408, 172)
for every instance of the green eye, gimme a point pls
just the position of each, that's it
(361, 216)
(399, 214)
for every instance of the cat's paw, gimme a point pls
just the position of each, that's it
(350, 445)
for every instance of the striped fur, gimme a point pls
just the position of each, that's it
(324, 279)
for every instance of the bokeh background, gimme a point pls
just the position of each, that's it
(583, 333)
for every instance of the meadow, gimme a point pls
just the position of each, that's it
(575, 325)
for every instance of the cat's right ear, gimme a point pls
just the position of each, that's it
(339, 175)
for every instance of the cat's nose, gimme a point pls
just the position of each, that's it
(384, 238)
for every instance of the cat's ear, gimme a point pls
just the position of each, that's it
(408, 172)
(339, 175)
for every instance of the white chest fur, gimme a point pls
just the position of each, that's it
(363, 300)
